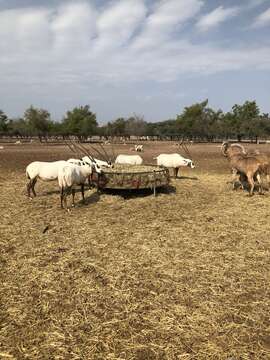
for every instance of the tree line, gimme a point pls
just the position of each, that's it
(197, 122)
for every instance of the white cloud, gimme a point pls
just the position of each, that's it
(263, 19)
(118, 22)
(73, 26)
(167, 16)
(82, 48)
(24, 30)
(215, 17)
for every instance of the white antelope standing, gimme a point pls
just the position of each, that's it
(71, 175)
(138, 148)
(48, 171)
(174, 161)
(129, 159)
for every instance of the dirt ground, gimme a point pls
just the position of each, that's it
(184, 275)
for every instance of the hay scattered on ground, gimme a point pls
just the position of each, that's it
(182, 276)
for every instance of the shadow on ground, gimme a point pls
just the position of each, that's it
(133, 193)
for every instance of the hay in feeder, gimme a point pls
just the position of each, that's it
(134, 177)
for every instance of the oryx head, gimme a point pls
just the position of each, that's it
(96, 167)
(190, 164)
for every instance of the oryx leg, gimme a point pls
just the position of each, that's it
(62, 197)
(66, 191)
(98, 178)
(90, 181)
(175, 172)
(33, 186)
(30, 186)
(73, 196)
(82, 191)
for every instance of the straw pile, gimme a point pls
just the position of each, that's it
(135, 177)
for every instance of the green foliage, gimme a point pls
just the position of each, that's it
(246, 119)
(135, 125)
(162, 128)
(80, 122)
(117, 128)
(198, 122)
(37, 121)
(3, 122)
(18, 127)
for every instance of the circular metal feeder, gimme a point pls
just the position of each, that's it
(134, 177)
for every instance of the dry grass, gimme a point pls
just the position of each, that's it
(126, 168)
(181, 276)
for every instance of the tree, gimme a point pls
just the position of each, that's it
(80, 122)
(245, 120)
(3, 123)
(135, 125)
(192, 122)
(37, 121)
(117, 127)
(165, 128)
(18, 127)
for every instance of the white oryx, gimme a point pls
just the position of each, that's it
(174, 161)
(71, 175)
(138, 148)
(129, 159)
(48, 171)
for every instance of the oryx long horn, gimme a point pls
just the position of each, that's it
(187, 151)
(84, 151)
(114, 156)
(98, 152)
(184, 147)
(72, 148)
(105, 152)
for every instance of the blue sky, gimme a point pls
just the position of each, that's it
(124, 56)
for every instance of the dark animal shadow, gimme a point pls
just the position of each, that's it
(246, 186)
(186, 178)
(167, 189)
(51, 192)
(92, 199)
(127, 194)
